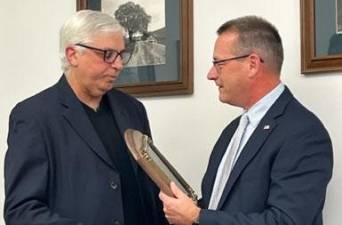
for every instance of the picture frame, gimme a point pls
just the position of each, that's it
(321, 41)
(175, 77)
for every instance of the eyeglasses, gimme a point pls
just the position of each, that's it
(217, 63)
(110, 55)
(220, 61)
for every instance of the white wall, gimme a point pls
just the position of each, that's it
(183, 126)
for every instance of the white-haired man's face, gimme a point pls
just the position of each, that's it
(91, 74)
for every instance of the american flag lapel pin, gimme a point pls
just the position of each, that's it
(267, 127)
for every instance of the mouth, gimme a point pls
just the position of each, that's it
(219, 86)
(112, 78)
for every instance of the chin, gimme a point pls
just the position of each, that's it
(108, 86)
(224, 99)
(102, 91)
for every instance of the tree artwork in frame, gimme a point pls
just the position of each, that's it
(159, 33)
(321, 35)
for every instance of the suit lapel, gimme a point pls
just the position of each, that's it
(123, 120)
(119, 112)
(256, 141)
(74, 113)
(251, 148)
(216, 157)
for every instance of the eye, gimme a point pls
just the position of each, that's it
(110, 54)
(218, 63)
(125, 55)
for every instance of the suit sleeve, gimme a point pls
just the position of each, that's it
(299, 177)
(27, 174)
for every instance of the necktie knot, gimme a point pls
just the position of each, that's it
(241, 128)
(244, 120)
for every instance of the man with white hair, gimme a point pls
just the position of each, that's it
(67, 162)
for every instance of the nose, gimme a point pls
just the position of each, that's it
(212, 74)
(117, 64)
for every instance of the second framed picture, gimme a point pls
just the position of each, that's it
(159, 33)
(321, 35)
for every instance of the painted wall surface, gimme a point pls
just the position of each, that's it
(185, 128)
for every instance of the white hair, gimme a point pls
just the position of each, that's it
(82, 27)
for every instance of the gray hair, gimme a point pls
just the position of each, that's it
(82, 27)
(255, 34)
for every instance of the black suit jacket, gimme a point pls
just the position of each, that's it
(281, 174)
(57, 170)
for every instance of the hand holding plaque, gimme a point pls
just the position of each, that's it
(155, 164)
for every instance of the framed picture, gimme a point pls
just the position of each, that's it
(321, 35)
(160, 35)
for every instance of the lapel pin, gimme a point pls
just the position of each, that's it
(267, 127)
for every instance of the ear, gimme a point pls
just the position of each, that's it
(254, 64)
(71, 55)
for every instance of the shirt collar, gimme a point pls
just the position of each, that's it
(259, 109)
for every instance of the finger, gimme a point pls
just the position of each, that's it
(176, 191)
(163, 196)
(168, 219)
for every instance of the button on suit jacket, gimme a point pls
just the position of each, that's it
(281, 174)
(57, 170)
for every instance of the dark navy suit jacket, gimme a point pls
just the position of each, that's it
(57, 170)
(281, 174)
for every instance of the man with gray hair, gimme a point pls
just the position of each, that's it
(272, 164)
(67, 162)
